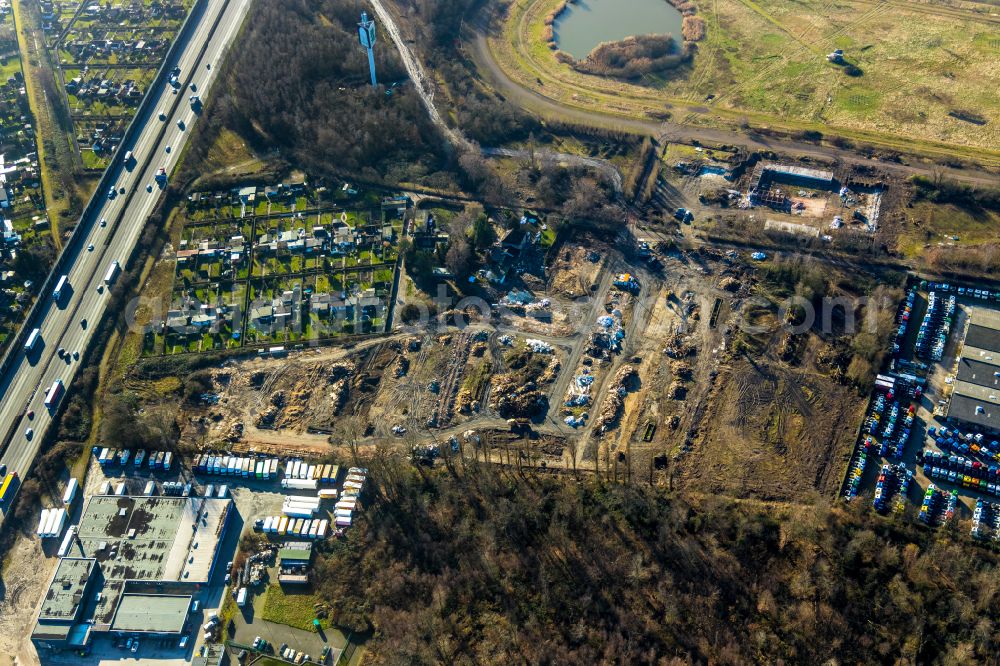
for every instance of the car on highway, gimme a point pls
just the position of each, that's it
(3, 470)
(83, 323)
(180, 124)
(193, 86)
(121, 190)
(167, 149)
(149, 187)
(100, 289)
(61, 352)
(104, 222)
(29, 433)
(163, 114)
(208, 65)
(76, 355)
(112, 192)
(90, 248)
(31, 415)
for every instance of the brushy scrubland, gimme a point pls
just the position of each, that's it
(481, 565)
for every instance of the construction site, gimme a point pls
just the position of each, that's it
(606, 365)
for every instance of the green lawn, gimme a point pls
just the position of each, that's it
(292, 609)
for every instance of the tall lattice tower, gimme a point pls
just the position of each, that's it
(366, 35)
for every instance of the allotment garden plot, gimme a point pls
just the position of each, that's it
(108, 54)
(274, 267)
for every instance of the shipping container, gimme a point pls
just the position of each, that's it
(120, 489)
(105, 488)
(71, 488)
(150, 489)
(210, 490)
(327, 493)
(168, 460)
(223, 491)
(283, 525)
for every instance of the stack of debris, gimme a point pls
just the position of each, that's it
(612, 408)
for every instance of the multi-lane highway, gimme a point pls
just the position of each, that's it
(112, 231)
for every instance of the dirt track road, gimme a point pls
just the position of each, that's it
(479, 51)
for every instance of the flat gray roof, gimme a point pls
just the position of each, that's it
(963, 408)
(981, 355)
(154, 613)
(65, 594)
(983, 337)
(986, 317)
(153, 538)
(977, 372)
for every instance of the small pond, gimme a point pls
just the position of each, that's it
(587, 23)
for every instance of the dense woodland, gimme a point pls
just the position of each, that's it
(299, 83)
(484, 565)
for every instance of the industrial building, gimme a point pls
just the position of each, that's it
(134, 567)
(761, 191)
(975, 398)
(293, 563)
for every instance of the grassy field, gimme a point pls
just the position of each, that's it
(294, 610)
(766, 64)
(932, 225)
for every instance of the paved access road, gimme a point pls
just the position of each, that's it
(112, 232)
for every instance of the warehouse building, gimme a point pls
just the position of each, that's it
(134, 567)
(975, 399)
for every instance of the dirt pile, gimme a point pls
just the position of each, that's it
(514, 399)
(611, 410)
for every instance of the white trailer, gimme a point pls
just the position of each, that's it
(58, 523)
(324, 529)
(53, 394)
(112, 272)
(297, 511)
(223, 491)
(43, 522)
(150, 489)
(120, 489)
(327, 493)
(241, 597)
(67, 542)
(299, 484)
(71, 488)
(60, 289)
(33, 338)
